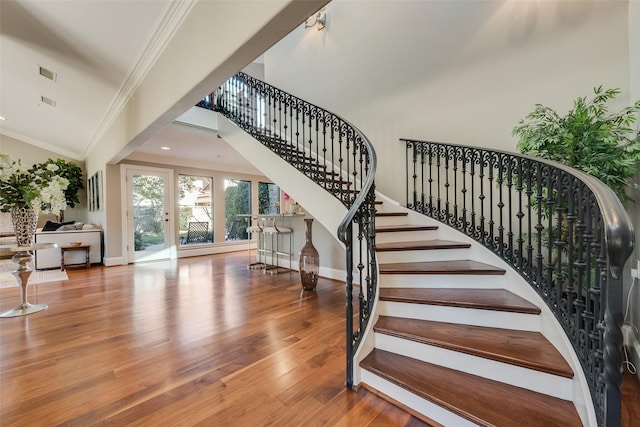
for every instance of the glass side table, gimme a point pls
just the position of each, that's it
(21, 258)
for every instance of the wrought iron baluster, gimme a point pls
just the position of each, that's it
(337, 166)
(551, 228)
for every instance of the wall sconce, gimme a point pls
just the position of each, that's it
(318, 19)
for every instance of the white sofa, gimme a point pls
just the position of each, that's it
(50, 258)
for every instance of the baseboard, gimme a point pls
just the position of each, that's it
(329, 273)
(110, 262)
(633, 347)
(187, 252)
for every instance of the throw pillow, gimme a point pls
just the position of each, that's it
(53, 226)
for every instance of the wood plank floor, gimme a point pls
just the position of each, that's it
(199, 341)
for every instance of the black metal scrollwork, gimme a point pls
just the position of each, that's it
(566, 233)
(332, 153)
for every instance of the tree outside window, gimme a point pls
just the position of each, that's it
(237, 201)
(268, 198)
(195, 209)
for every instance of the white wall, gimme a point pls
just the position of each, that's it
(215, 40)
(461, 71)
(454, 71)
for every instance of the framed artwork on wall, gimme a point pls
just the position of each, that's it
(94, 191)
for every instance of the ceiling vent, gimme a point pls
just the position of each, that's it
(48, 101)
(48, 74)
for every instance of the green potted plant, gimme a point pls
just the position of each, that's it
(588, 138)
(72, 173)
(27, 192)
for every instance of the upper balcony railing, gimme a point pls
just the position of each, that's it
(564, 231)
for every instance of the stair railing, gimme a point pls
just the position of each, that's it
(331, 152)
(564, 231)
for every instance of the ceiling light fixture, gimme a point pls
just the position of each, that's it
(2, 118)
(165, 148)
(319, 20)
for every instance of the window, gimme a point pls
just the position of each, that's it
(237, 202)
(268, 198)
(195, 209)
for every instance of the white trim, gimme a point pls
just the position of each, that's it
(462, 315)
(124, 195)
(170, 19)
(503, 372)
(418, 404)
(112, 261)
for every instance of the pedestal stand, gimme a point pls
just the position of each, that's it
(22, 258)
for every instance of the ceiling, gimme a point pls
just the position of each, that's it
(94, 49)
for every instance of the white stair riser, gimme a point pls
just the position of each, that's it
(390, 220)
(460, 281)
(405, 236)
(418, 404)
(461, 316)
(529, 379)
(422, 255)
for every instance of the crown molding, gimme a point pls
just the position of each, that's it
(44, 145)
(170, 19)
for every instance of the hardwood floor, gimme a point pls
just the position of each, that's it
(199, 341)
(630, 399)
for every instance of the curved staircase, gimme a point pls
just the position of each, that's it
(451, 344)
(518, 323)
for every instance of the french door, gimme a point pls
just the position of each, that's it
(149, 214)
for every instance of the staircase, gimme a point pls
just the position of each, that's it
(496, 300)
(451, 344)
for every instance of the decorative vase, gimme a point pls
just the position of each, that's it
(309, 263)
(25, 221)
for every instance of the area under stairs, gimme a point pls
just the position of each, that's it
(451, 344)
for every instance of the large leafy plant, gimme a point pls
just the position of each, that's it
(588, 138)
(50, 186)
(69, 171)
(38, 188)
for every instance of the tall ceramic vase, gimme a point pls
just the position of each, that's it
(309, 263)
(25, 221)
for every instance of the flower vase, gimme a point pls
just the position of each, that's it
(309, 263)
(25, 221)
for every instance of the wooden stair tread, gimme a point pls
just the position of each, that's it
(480, 400)
(421, 245)
(441, 267)
(391, 214)
(396, 228)
(519, 348)
(482, 299)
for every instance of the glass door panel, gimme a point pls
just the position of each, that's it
(149, 236)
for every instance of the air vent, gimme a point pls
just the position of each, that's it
(48, 74)
(48, 101)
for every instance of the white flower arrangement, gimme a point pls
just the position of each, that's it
(38, 188)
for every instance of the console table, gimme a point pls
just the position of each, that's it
(80, 248)
(50, 258)
(22, 257)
